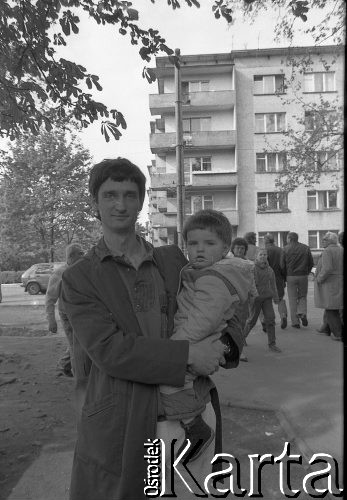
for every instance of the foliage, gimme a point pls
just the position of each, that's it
(43, 200)
(32, 75)
(293, 14)
(314, 146)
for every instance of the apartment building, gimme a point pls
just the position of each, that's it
(236, 108)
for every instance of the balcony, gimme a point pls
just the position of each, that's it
(216, 139)
(162, 181)
(212, 100)
(162, 220)
(212, 179)
(169, 219)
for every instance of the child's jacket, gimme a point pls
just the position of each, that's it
(208, 298)
(265, 281)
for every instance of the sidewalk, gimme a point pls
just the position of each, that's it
(294, 396)
(304, 383)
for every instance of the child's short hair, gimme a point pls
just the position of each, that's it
(209, 219)
(241, 242)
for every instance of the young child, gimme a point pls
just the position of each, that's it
(211, 288)
(267, 292)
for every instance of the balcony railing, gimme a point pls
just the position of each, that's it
(216, 139)
(194, 101)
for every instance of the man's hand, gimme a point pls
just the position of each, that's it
(206, 356)
(52, 326)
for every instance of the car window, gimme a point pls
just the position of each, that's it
(44, 269)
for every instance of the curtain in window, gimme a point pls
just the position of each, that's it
(270, 122)
(271, 162)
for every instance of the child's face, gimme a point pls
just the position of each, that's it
(261, 256)
(205, 248)
(239, 251)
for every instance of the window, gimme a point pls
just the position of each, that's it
(268, 202)
(268, 84)
(195, 86)
(196, 164)
(324, 160)
(270, 162)
(326, 121)
(321, 200)
(196, 124)
(315, 238)
(280, 238)
(319, 82)
(267, 123)
(198, 202)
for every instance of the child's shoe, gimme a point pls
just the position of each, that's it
(200, 436)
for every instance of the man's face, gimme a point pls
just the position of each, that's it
(205, 248)
(118, 203)
(239, 251)
(325, 242)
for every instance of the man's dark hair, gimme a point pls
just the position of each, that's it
(292, 236)
(119, 169)
(209, 219)
(241, 242)
(251, 238)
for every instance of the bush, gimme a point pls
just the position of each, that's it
(11, 276)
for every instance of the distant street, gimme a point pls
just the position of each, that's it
(14, 295)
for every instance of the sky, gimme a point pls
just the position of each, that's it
(106, 53)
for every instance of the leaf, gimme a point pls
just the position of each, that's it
(149, 74)
(144, 53)
(133, 14)
(65, 26)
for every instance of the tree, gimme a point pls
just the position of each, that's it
(43, 198)
(31, 74)
(294, 14)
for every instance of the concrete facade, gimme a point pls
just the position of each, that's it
(229, 102)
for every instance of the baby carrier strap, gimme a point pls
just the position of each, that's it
(212, 272)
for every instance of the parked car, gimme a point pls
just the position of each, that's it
(35, 279)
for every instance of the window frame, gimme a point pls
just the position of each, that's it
(319, 233)
(280, 238)
(204, 199)
(273, 91)
(266, 161)
(190, 124)
(324, 81)
(265, 115)
(188, 172)
(278, 200)
(322, 199)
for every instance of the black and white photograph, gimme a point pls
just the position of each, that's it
(172, 233)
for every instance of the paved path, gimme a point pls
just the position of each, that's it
(304, 383)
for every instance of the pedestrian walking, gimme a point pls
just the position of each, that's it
(275, 260)
(297, 265)
(252, 249)
(328, 284)
(267, 292)
(73, 253)
(238, 249)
